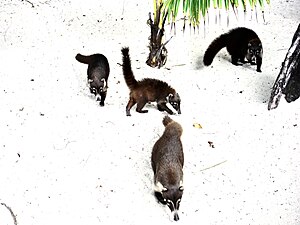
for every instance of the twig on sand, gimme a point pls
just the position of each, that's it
(11, 212)
(213, 166)
(32, 6)
(63, 148)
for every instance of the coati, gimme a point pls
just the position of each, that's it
(240, 42)
(148, 90)
(97, 74)
(167, 163)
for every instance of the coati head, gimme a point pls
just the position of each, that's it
(97, 87)
(170, 196)
(254, 50)
(175, 100)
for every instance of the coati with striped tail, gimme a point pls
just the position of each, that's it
(98, 72)
(240, 42)
(167, 163)
(148, 90)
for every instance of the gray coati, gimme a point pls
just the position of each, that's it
(148, 90)
(240, 42)
(167, 163)
(97, 74)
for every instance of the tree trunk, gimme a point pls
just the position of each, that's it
(158, 52)
(288, 80)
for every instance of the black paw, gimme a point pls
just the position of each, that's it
(160, 198)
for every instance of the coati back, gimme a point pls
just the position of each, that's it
(167, 163)
(98, 72)
(240, 42)
(148, 90)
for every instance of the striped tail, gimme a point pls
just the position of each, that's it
(210, 53)
(87, 59)
(127, 71)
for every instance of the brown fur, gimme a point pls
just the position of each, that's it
(147, 90)
(167, 163)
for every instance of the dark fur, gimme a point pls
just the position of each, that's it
(240, 42)
(98, 72)
(148, 90)
(167, 163)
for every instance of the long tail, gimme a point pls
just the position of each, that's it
(127, 71)
(87, 59)
(210, 53)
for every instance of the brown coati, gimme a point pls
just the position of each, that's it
(97, 74)
(240, 42)
(167, 163)
(148, 90)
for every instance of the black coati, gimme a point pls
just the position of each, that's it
(167, 163)
(240, 42)
(98, 72)
(148, 90)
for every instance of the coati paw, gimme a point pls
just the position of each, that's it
(160, 198)
(142, 111)
(101, 103)
(258, 70)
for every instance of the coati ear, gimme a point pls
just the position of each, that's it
(169, 96)
(260, 45)
(104, 82)
(181, 186)
(159, 187)
(90, 80)
(249, 45)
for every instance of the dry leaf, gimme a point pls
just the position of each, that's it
(197, 125)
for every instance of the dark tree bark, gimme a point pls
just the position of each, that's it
(158, 52)
(288, 80)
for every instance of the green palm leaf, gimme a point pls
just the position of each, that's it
(193, 10)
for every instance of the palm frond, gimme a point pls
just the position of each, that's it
(195, 10)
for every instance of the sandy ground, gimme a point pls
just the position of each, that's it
(66, 160)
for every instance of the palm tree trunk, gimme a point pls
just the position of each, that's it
(288, 80)
(158, 52)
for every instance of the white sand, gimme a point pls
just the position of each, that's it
(66, 160)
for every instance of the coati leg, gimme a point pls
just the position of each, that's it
(160, 198)
(258, 62)
(242, 60)
(140, 105)
(162, 106)
(234, 60)
(130, 103)
(103, 96)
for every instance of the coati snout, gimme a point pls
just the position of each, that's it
(170, 197)
(175, 100)
(254, 52)
(98, 88)
(167, 163)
